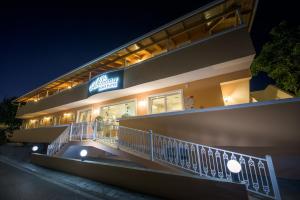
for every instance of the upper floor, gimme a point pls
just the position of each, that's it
(214, 34)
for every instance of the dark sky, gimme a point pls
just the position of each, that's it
(40, 41)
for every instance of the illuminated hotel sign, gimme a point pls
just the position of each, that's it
(106, 82)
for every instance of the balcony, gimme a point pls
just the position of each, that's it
(222, 53)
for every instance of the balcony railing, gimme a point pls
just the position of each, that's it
(257, 173)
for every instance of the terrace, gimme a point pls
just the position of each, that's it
(195, 26)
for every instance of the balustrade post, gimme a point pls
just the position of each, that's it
(199, 163)
(59, 141)
(95, 130)
(273, 177)
(81, 132)
(71, 130)
(151, 145)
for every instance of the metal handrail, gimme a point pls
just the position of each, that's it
(59, 142)
(256, 173)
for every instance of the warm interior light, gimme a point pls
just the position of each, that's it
(234, 166)
(83, 153)
(96, 112)
(35, 100)
(46, 118)
(69, 87)
(35, 148)
(67, 114)
(227, 99)
(142, 103)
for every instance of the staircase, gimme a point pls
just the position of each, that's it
(256, 173)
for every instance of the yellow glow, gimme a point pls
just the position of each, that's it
(96, 112)
(32, 120)
(67, 114)
(35, 100)
(69, 87)
(227, 99)
(142, 103)
(46, 118)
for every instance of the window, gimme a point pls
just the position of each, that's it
(84, 115)
(66, 118)
(113, 112)
(165, 102)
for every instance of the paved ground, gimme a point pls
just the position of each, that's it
(16, 184)
(28, 178)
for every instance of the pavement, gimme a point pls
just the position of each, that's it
(17, 184)
(23, 180)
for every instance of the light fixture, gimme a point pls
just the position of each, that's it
(69, 87)
(35, 100)
(227, 99)
(67, 114)
(142, 103)
(96, 112)
(234, 166)
(47, 118)
(83, 153)
(35, 148)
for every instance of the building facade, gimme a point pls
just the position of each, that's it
(200, 60)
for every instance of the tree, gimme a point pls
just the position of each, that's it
(280, 58)
(7, 117)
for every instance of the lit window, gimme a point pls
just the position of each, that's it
(165, 103)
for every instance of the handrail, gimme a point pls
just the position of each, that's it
(256, 173)
(59, 142)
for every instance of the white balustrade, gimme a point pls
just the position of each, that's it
(256, 173)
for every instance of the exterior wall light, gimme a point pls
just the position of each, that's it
(234, 166)
(67, 114)
(35, 148)
(227, 99)
(142, 103)
(96, 112)
(83, 153)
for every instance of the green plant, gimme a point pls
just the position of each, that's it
(125, 115)
(8, 118)
(280, 58)
(99, 118)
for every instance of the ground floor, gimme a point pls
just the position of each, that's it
(228, 89)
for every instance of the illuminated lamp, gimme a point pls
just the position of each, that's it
(142, 103)
(35, 148)
(234, 166)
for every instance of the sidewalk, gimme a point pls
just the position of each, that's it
(90, 189)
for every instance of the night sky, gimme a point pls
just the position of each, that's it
(40, 41)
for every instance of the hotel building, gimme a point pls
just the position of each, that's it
(198, 61)
(185, 84)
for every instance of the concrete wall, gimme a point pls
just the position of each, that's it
(256, 124)
(68, 96)
(166, 185)
(37, 135)
(271, 92)
(256, 129)
(217, 49)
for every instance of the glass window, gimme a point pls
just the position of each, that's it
(158, 104)
(66, 118)
(113, 112)
(84, 116)
(165, 103)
